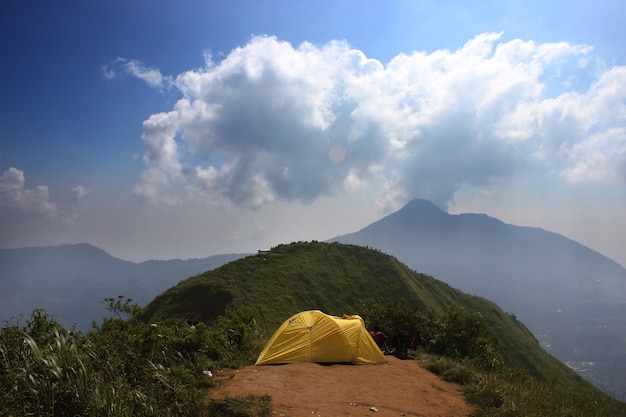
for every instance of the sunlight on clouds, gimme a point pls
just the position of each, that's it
(276, 122)
(352, 182)
(598, 158)
(211, 181)
(161, 149)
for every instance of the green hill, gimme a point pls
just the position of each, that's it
(150, 362)
(336, 278)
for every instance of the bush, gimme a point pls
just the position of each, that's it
(122, 367)
(458, 333)
(461, 334)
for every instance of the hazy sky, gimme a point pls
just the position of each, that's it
(179, 129)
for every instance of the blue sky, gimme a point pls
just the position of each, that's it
(163, 129)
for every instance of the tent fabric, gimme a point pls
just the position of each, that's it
(313, 336)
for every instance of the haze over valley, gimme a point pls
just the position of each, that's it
(571, 297)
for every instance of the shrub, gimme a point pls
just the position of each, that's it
(462, 334)
(457, 334)
(123, 367)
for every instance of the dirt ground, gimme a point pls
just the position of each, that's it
(397, 388)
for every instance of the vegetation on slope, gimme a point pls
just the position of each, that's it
(336, 279)
(158, 367)
(123, 367)
(129, 368)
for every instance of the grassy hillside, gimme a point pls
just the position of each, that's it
(336, 278)
(128, 365)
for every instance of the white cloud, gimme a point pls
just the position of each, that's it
(15, 199)
(598, 158)
(78, 194)
(259, 126)
(150, 76)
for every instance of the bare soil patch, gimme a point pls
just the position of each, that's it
(397, 388)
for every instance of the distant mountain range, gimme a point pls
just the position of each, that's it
(528, 271)
(571, 297)
(71, 281)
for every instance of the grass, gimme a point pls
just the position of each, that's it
(241, 406)
(150, 361)
(337, 279)
(515, 393)
(122, 368)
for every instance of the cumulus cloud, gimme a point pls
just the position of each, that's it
(16, 199)
(276, 122)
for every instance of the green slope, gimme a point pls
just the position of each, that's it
(335, 278)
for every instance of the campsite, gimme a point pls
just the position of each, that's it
(395, 388)
(192, 350)
(313, 336)
(322, 365)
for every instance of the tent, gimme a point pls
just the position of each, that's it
(312, 336)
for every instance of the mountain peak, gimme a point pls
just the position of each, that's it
(417, 215)
(419, 211)
(421, 205)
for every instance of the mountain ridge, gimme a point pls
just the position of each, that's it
(579, 314)
(70, 281)
(298, 276)
(420, 231)
(337, 279)
(571, 296)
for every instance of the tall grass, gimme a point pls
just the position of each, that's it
(54, 376)
(122, 368)
(514, 393)
(129, 368)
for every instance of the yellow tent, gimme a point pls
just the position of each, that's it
(312, 336)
